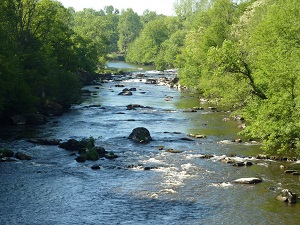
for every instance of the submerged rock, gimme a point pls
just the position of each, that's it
(134, 106)
(246, 163)
(186, 139)
(80, 159)
(95, 167)
(125, 93)
(44, 141)
(22, 156)
(173, 150)
(140, 134)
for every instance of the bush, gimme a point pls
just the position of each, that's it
(5, 152)
(91, 154)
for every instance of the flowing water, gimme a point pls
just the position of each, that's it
(181, 188)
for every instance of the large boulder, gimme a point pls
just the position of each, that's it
(35, 119)
(140, 134)
(22, 156)
(248, 180)
(44, 141)
(287, 196)
(51, 108)
(73, 145)
(85, 77)
(18, 120)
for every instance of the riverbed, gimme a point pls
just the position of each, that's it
(176, 188)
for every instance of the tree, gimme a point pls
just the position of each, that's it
(146, 47)
(148, 16)
(15, 94)
(170, 48)
(185, 9)
(112, 20)
(93, 28)
(257, 72)
(207, 31)
(276, 52)
(39, 54)
(129, 27)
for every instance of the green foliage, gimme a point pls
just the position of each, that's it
(89, 143)
(96, 35)
(5, 152)
(129, 27)
(145, 49)
(170, 48)
(247, 58)
(149, 16)
(91, 152)
(276, 55)
(185, 9)
(42, 46)
(63, 88)
(207, 30)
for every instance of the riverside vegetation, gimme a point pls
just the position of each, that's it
(244, 55)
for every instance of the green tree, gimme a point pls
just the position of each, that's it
(129, 27)
(276, 52)
(92, 27)
(146, 47)
(207, 31)
(112, 18)
(167, 56)
(15, 95)
(257, 72)
(39, 52)
(148, 16)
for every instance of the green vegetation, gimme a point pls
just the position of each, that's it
(247, 58)
(5, 152)
(243, 53)
(45, 48)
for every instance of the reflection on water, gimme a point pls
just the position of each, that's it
(181, 188)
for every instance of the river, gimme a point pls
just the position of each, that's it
(181, 188)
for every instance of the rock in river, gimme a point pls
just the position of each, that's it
(287, 196)
(51, 108)
(126, 93)
(22, 156)
(140, 134)
(248, 180)
(73, 145)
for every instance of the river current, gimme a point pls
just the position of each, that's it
(180, 188)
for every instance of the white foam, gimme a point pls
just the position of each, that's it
(187, 166)
(224, 184)
(168, 191)
(153, 160)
